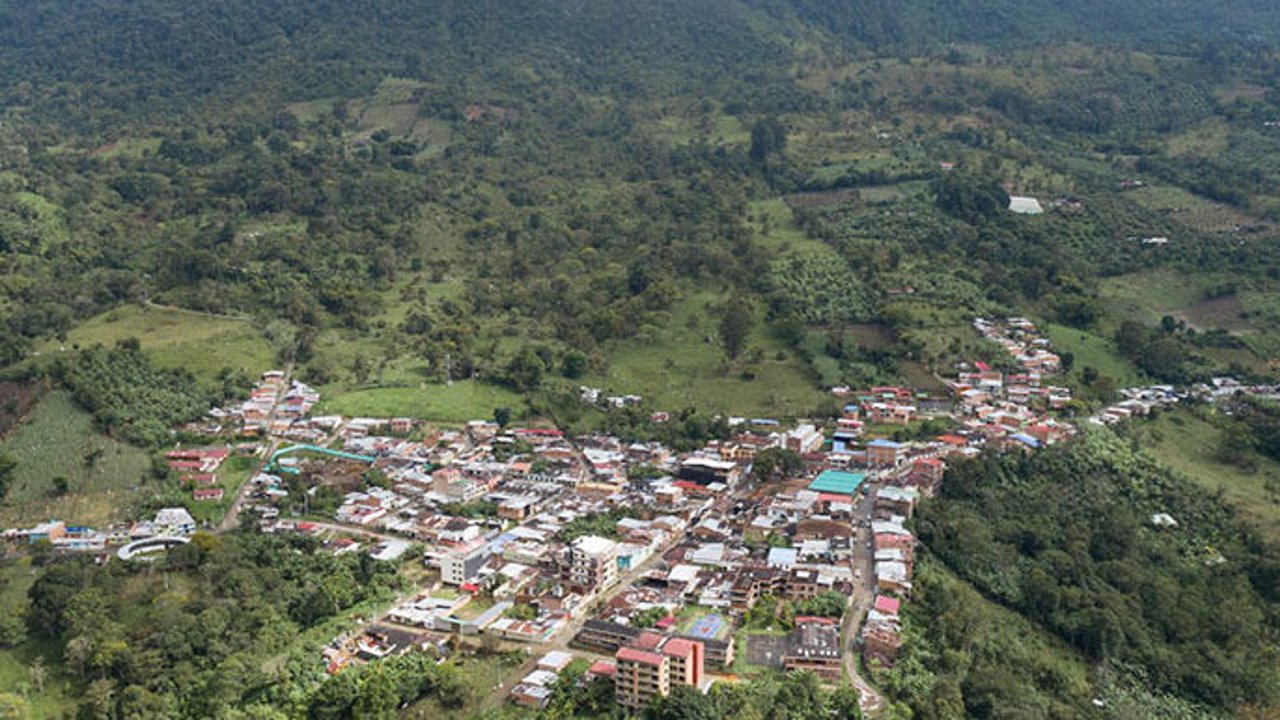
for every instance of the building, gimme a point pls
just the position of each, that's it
(814, 645)
(592, 564)
(641, 676)
(687, 659)
(1025, 205)
(804, 439)
(174, 521)
(652, 663)
(707, 471)
(837, 482)
(605, 635)
(883, 453)
(461, 565)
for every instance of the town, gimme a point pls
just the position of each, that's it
(777, 546)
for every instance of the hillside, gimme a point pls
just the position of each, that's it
(464, 210)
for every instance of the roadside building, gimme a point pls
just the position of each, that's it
(591, 564)
(814, 646)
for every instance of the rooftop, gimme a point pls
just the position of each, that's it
(627, 654)
(837, 482)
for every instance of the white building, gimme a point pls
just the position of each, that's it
(592, 563)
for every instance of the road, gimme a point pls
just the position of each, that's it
(864, 593)
(231, 521)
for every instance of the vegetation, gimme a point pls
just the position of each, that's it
(128, 396)
(726, 209)
(603, 524)
(59, 440)
(196, 635)
(1065, 538)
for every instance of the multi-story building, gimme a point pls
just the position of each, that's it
(592, 564)
(642, 675)
(652, 663)
(462, 565)
(687, 660)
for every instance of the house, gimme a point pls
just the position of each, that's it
(173, 521)
(896, 501)
(207, 494)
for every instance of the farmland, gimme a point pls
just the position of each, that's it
(59, 440)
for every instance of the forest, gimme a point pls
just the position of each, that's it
(1064, 538)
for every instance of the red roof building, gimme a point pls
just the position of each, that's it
(887, 605)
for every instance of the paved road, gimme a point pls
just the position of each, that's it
(231, 521)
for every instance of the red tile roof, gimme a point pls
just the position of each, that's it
(627, 654)
(678, 647)
(887, 605)
(601, 667)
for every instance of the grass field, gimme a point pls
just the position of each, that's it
(203, 344)
(680, 366)
(1093, 351)
(58, 439)
(481, 675)
(1186, 443)
(784, 235)
(464, 400)
(1149, 296)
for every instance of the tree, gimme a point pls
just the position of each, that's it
(735, 325)
(684, 703)
(773, 463)
(13, 707)
(8, 466)
(524, 371)
(502, 416)
(574, 365)
(13, 631)
(38, 673)
(768, 137)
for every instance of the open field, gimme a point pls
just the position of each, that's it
(1187, 443)
(1093, 351)
(480, 675)
(457, 403)
(58, 439)
(204, 344)
(1148, 296)
(681, 366)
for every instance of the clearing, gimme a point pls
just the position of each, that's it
(174, 338)
(682, 364)
(457, 403)
(1188, 443)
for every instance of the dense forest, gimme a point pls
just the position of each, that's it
(1065, 538)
